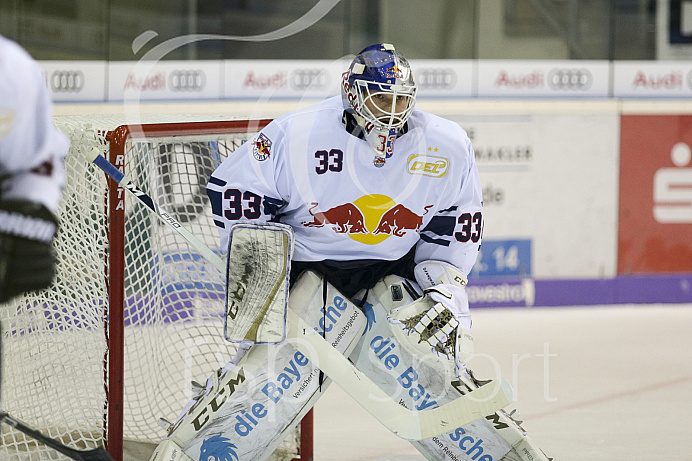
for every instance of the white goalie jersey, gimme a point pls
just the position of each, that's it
(344, 203)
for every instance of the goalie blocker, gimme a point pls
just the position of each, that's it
(257, 277)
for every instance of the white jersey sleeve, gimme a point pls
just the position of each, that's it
(455, 230)
(32, 150)
(246, 187)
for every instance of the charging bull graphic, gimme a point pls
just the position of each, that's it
(351, 219)
(346, 218)
(399, 219)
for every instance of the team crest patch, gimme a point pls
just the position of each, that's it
(261, 147)
(379, 162)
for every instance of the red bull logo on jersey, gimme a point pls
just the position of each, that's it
(346, 218)
(399, 219)
(370, 219)
(261, 146)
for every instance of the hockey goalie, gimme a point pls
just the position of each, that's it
(350, 226)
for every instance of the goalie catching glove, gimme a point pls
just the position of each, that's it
(27, 258)
(441, 320)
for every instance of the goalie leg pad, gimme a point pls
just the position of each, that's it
(247, 408)
(168, 450)
(405, 367)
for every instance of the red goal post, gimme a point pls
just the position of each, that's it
(160, 302)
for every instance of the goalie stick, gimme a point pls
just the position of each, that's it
(408, 424)
(118, 176)
(405, 423)
(97, 454)
(272, 317)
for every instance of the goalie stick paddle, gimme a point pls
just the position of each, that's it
(97, 454)
(407, 424)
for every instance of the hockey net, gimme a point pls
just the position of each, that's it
(134, 314)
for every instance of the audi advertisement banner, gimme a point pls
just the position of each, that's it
(76, 80)
(320, 79)
(444, 77)
(100, 81)
(265, 79)
(652, 79)
(165, 80)
(521, 78)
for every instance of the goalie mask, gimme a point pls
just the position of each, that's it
(379, 91)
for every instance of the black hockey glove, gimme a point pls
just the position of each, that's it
(27, 258)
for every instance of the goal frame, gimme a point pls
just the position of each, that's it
(117, 140)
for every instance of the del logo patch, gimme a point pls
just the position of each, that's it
(261, 147)
(428, 165)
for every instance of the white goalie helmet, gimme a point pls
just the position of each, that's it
(379, 90)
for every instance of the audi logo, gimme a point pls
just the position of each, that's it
(187, 80)
(436, 79)
(570, 79)
(302, 79)
(689, 79)
(67, 81)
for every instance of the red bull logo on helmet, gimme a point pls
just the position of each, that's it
(394, 72)
(370, 219)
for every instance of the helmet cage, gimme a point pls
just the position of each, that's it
(386, 106)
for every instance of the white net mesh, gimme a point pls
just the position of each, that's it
(54, 344)
(55, 341)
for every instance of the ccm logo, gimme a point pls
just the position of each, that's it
(67, 81)
(187, 80)
(570, 79)
(428, 165)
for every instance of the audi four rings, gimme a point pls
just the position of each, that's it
(570, 79)
(302, 79)
(67, 81)
(187, 80)
(436, 78)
